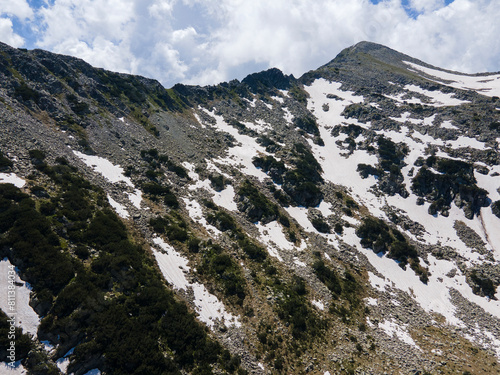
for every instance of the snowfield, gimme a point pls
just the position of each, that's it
(435, 296)
(111, 172)
(488, 84)
(12, 178)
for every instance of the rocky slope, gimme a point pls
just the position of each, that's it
(342, 222)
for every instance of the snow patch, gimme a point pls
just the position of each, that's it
(377, 282)
(120, 209)
(242, 154)
(135, 198)
(111, 172)
(12, 178)
(16, 369)
(392, 328)
(319, 304)
(63, 363)
(448, 125)
(25, 317)
(174, 268)
(195, 212)
(225, 198)
(488, 85)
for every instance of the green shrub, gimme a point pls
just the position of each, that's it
(222, 221)
(308, 124)
(327, 277)
(484, 286)
(377, 235)
(26, 92)
(255, 204)
(5, 163)
(275, 169)
(320, 225)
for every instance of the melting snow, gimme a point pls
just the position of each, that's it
(25, 316)
(135, 198)
(273, 233)
(299, 262)
(12, 178)
(242, 154)
(111, 172)
(119, 208)
(17, 369)
(448, 125)
(392, 328)
(173, 267)
(319, 304)
(438, 98)
(332, 158)
(225, 198)
(488, 85)
(63, 363)
(378, 282)
(195, 212)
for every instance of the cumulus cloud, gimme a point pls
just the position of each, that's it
(208, 41)
(16, 8)
(7, 34)
(426, 5)
(462, 36)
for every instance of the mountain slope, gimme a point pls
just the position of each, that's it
(343, 221)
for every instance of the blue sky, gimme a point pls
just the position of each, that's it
(209, 41)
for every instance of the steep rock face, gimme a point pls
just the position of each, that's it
(343, 221)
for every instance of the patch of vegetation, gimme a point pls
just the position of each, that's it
(5, 163)
(275, 169)
(218, 182)
(222, 221)
(308, 124)
(320, 225)
(256, 205)
(141, 118)
(172, 225)
(299, 94)
(156, 191)
(327, 277)
(388, 171)
(107, 305)
(226, 272)
(157, 161)
(26, 93)
(293, 308)
(495, 208)
(23, 342)
(300, 182)
(454, 182)
(378, 236)
(346, 292)
(483, 286)
(268, 143)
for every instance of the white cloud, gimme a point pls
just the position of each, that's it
(462, 36)
(426, 5)
(7, 34)
(16, 8)
(207, 41)
(161, 8)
